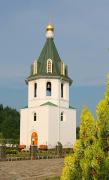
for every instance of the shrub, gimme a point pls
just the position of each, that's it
(11, 151)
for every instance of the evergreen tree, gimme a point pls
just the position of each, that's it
(90, 159)
(87, 127)
(76, 165)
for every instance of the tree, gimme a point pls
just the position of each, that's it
(90, 158)
(87, 127)
(9, 123)
(102, 123)
(76, 165)
(1, 115)
(77, 132)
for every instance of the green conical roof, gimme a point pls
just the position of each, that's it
(49, 51)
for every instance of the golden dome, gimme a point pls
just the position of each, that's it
(50, 27)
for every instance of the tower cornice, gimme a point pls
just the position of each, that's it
(62, 78)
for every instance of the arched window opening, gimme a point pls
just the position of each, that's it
(34, 138)
(62, 116)
(35, 89)
(62, 90)
(49, 66)
(35, 117)
(48, 89)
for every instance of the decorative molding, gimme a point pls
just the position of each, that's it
(35, 67)
(62, 68)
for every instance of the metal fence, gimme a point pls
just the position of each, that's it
(33, 153)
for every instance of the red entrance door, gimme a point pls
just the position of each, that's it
(34, 139)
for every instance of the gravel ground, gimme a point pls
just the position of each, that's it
(30, 169)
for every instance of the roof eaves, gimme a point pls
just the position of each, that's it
(49, 104)
(30, 78)
(71, 107)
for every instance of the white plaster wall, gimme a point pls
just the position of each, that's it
(53, 130)
(23, 126)
(68, 127)
(66, 90)
(28, 125)
(48, 126)
(62, 131)
(41, 93)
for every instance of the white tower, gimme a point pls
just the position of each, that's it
(49, 118)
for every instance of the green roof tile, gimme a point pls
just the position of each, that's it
(49, 51)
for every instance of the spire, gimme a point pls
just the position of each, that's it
(49, 52)
(50, 31)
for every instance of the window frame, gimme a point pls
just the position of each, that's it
(62, 90)
(35, 116)
(48, 92)
(62, 116)
(35, 90)
(49, 66)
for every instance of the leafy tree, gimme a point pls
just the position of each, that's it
(90, 158)
(9, 123)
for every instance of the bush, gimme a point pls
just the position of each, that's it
(90, 157)
(11, 151)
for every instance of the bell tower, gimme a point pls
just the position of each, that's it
(49, 79)
(49, 118)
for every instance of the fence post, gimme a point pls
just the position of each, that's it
(3, 152)
(33, 151)
(59, 149)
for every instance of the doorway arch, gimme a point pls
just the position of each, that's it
(34, 138)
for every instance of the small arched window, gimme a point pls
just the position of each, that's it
(48, 89)
(35, 89)
(35, 117)
(62, 116)
(49, 66)
(62, 92)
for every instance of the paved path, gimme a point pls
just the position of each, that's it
(30, 169)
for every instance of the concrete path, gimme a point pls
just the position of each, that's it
(30, 169)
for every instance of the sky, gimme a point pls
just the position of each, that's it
(81, 37)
